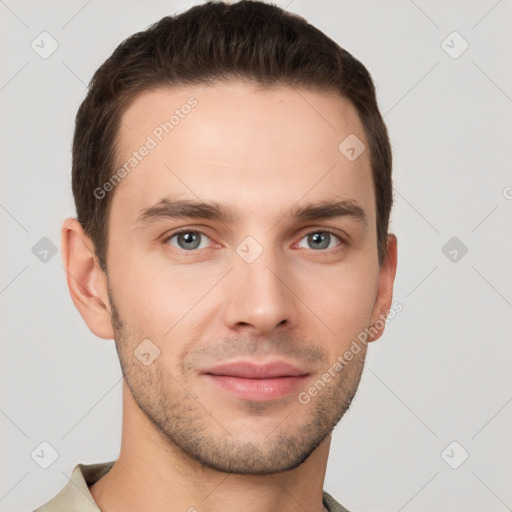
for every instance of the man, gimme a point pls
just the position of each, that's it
(232, 178)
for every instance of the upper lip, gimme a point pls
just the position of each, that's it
(250, 370)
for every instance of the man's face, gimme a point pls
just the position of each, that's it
(266, 286)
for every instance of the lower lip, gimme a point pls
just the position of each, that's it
(258, 389)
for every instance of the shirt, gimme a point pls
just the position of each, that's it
(76, 497)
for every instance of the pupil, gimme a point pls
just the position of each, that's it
(319, 238)
(189, 238)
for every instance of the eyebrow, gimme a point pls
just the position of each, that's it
(168, 208)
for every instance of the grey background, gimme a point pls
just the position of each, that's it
(442, 371)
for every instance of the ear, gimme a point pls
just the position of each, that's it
(86, 280)
(385, 289)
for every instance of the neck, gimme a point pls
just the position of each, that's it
(152, 473)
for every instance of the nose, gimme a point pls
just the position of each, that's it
(259, 295)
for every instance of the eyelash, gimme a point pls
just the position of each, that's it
(343, 242)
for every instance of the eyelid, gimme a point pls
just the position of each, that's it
(325, 229)
(343, 238)
(177, 231)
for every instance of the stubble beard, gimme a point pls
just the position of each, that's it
(184, 422)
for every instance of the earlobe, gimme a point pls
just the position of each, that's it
(385, 290)
(86, 281)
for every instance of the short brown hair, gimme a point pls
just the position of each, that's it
(250, 40)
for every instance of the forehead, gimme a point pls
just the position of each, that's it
(239, 145)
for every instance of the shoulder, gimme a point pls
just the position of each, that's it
(331, 504)
(75, 496)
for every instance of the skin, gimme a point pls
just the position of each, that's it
(185, 442)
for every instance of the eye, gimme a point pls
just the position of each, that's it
(319, 240)
(187, 240)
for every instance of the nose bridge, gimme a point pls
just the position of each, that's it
(258, 293)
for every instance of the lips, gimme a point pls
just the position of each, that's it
(247, 370)
(257, 382)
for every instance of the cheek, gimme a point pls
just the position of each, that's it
(342, 297)
(162, 302)
(140, 294)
